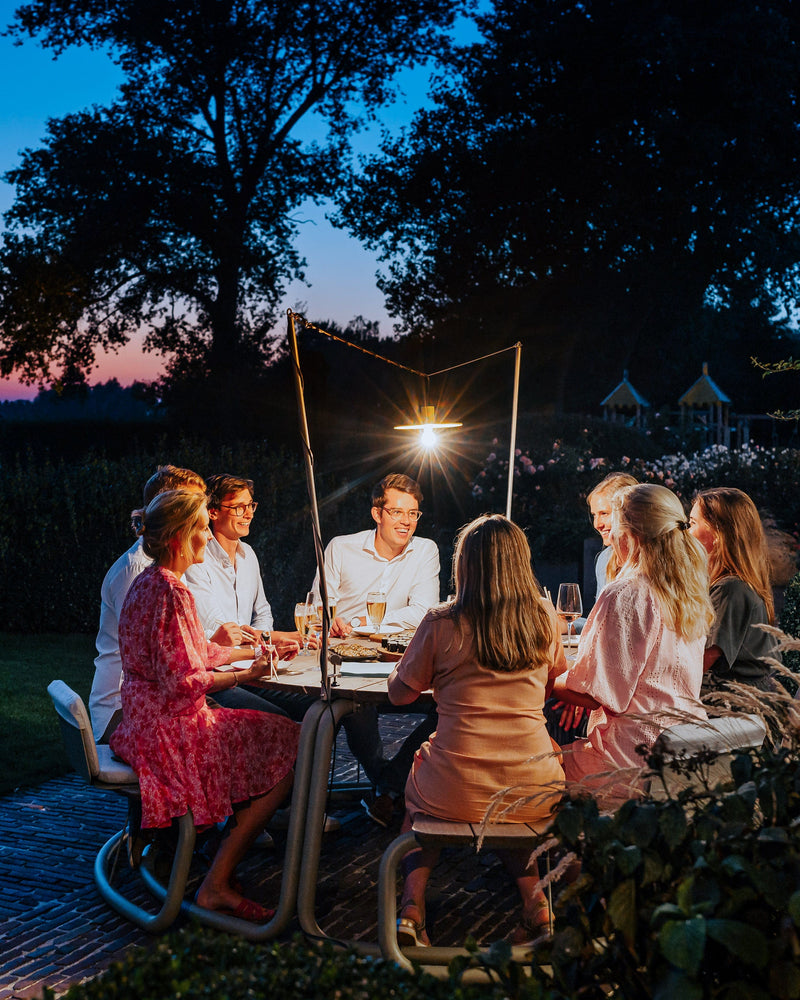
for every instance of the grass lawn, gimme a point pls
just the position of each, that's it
(31, 750)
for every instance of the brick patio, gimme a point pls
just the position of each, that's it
(55, 930)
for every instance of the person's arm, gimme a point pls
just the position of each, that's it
(423, 592)
(224, 680)
(578, 698)
(399, 692)
(212, 617)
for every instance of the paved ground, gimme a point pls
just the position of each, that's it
(55, 930)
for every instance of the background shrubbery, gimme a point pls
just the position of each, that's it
(64, 520)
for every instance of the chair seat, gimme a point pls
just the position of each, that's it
(112, 771)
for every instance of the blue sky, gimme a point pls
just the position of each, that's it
(35, 87)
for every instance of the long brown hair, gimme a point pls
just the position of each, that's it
(497, 594)
(740, 545)
(664, 551)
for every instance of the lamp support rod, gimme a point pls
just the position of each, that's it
(513, 435)
(364, 350)
(308, 459)
(473, 361)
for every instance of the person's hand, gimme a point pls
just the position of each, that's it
(287, 648)
(229, 634)
(571, 715)
(250, 636)
(263, 666)
(340, 629)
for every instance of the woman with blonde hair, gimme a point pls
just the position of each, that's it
(566, 722)
(640, 657)
(217, 762)
(600, 501)
(488, 656)
(726, 523)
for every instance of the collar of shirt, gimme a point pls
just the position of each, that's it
(369, 546)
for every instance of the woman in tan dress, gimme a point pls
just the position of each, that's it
(488, 656)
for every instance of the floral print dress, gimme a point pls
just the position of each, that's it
(187, 754)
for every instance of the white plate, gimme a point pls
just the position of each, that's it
(371, 669)
(383, 630)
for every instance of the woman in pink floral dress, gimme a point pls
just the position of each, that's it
(188, 755)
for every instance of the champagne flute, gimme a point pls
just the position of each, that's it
(376, 608)
(301, 615)
(569, 606)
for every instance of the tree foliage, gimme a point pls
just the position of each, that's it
(172, 208)
(597, 175)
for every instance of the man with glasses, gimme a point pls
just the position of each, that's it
(227, 585)
(387, 558)
(391, 559)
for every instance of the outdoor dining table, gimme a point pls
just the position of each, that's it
(350, 693)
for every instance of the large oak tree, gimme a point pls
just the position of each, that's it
(172, 209)
(614, 181)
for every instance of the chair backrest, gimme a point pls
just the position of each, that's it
(93, 763)
(730, 732)
(76, 730)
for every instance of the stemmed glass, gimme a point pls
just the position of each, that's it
(303, 612)
(376, 608)
(569, 606)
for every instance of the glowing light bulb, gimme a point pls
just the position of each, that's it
(428, 438)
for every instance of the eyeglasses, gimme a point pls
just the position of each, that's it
(395, 513)
(241, 508)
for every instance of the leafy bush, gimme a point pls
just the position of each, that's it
(195, 964)
(695, 896)
(551, 484)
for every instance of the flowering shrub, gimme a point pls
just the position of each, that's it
(550, 489)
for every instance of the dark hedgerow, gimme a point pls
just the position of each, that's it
(193, 964)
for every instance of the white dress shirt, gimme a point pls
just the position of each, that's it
(227, 593)
(104, 699)
(410, 580)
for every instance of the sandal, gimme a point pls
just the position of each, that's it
(534, 927)
(411, 933)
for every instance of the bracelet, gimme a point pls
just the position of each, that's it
(235, 678)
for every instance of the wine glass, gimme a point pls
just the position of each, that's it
(302, 612)
(569, 606)
(376, 608)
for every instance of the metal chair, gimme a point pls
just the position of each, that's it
(96, 765)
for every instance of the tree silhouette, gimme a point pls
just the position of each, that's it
(596, 177)
(172, 209)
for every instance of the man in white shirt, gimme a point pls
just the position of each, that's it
(105, 704)
(391, 559)
(227, 585)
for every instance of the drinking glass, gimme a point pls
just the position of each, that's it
(376, 608)
(302, 613)
(569, 606)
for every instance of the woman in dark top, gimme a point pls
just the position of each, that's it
(725, 521)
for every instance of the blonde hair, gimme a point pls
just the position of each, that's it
(498, 595)
(170, 516)
(607, 487)
(664, 552)
(740, 545)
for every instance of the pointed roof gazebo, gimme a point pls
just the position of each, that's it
(622, 399)
(706, 394)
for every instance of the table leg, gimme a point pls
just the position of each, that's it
(317, 798)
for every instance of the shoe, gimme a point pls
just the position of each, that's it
(411, 933)
(380, 809)
(533, 928)
(264, 841)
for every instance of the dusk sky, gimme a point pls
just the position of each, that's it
(34, 87)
